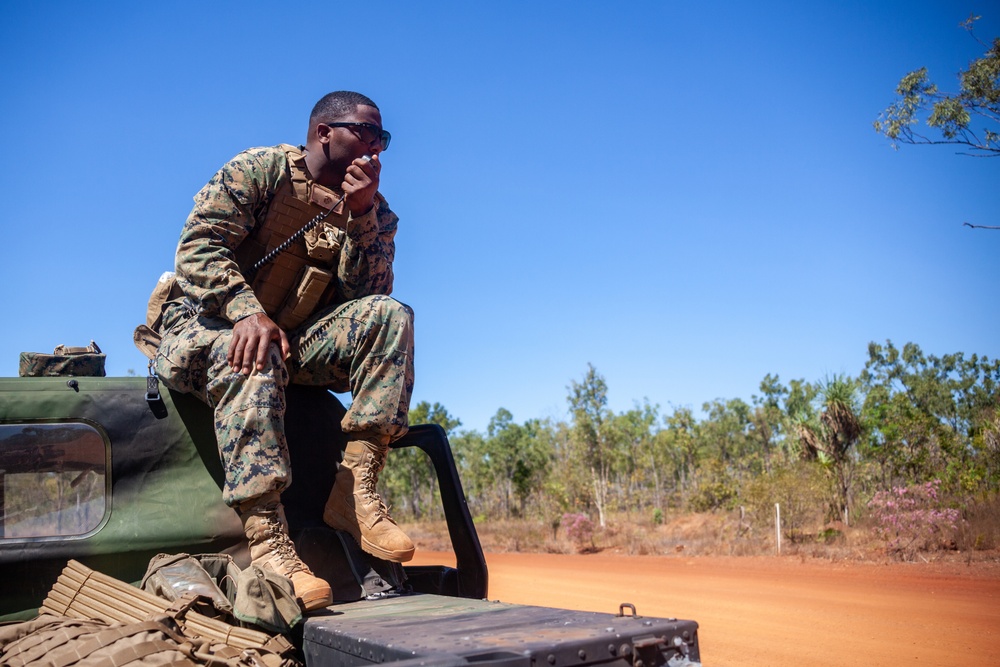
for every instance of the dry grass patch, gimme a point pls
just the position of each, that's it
(710, 534)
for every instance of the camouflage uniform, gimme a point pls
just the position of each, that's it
(358, 340)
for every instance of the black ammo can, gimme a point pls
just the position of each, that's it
(425, 630)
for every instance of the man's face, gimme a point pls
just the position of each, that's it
(343, 145)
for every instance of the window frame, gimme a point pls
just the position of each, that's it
(107, 487)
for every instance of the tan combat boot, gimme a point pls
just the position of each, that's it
(271, 547)
(354, 505)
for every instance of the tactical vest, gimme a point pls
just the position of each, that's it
(302, 277)
(300, 280)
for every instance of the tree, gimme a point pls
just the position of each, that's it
(767, 419)
(902, 439)
(467, 447)
(969, 118)
(425, 413)
(409, 479)
(588, 402)
(507, 465)
(515, 459)
(730, 453)
(932, 416)
(681, 440)
(637, 460)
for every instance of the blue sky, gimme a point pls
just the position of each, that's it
(687, 195)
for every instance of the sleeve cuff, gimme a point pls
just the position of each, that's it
(240, 305)
(364, 229)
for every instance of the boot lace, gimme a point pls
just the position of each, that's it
(369, 480)
(282, 549)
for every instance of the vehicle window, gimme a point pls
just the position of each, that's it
(52, 480)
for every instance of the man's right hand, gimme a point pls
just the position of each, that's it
(251, 337)
(361, 183)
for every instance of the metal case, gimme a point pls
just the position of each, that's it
(437, 631)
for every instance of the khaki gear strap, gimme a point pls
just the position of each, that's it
(187, 602)
(90, 349)
(297, 168)
(131, 654)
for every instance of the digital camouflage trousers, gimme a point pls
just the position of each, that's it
(363, 346)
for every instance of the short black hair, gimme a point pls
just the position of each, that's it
(337, 105)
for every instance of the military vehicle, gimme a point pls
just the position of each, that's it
(112, 471)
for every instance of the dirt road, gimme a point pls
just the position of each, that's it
(778, 611)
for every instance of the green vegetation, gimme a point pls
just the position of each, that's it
(823, 450)
(968, 118)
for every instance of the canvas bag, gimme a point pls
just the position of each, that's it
(64, 361)
(255, 596)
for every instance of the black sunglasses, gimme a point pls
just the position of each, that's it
(370, 132)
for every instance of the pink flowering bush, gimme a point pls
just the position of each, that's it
(580, 529)
(911, 518)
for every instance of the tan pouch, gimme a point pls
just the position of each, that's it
(147, 336)
(302, 301)
(323, 242)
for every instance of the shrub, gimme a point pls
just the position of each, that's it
(580, 529)
(800, 489)
(911, 518)
(980, 531)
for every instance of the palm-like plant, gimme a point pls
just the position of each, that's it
(842, 426)
(840, 432)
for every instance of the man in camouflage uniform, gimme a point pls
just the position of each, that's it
(315, 313)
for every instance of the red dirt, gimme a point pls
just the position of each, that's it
(777, 611)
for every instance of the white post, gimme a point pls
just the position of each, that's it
(777, 525)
